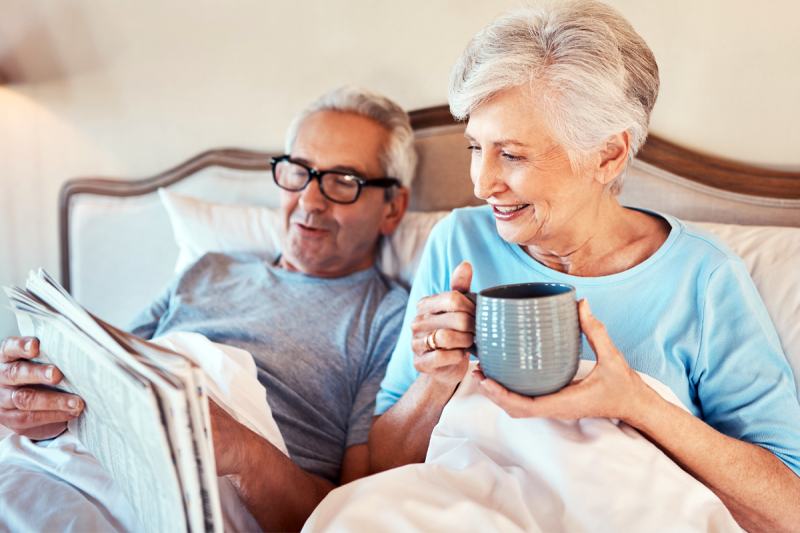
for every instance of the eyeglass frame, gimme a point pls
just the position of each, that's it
(383, 183)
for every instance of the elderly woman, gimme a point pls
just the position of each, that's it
(558, 103)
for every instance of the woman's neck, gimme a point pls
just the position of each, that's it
(605, 240)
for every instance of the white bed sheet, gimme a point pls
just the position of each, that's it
(488, 472)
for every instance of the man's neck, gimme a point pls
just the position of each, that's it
(288, 264)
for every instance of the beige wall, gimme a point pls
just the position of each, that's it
(131, 88)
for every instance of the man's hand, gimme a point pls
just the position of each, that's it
(26, 406)
(449, 319)
(611, 390)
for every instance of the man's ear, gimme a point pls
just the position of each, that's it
(396, 208)
(611, 158)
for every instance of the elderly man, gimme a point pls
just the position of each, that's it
(320, 319)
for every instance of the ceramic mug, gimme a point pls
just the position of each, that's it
(528, 336)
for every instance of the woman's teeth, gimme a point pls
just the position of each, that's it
(509, 209)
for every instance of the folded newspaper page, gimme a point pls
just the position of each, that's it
(146, 417)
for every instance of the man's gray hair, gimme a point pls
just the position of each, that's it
(399, 159)
(592, 75)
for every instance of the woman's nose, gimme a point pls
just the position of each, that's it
(487, 177)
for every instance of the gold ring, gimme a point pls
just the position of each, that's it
(430, 341)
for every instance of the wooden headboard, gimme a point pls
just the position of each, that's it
(126, 212)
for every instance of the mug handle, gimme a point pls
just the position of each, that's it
(473, 349)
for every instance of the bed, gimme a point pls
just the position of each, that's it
(122, 241)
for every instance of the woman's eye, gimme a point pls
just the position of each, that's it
(510, 157)
(474, 148)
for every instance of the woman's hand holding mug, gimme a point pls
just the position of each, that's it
(443, 329)
(612, 389)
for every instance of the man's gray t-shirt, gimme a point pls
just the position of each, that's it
(321, 346)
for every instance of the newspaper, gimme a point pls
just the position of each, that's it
(146, 418)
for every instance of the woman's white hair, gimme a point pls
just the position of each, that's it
(399, 159)
(592, 75)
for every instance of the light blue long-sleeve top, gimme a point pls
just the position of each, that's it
(689, 316)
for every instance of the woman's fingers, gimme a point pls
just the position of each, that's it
(443, 328)
(430, 362)
(441, 339)
(515, 405)
(451, 331)
(557, 405)
(447, 367)
(445, 322)
(424, 324)
(450, 340)
(462, 277)
(446, 302)
(605, 392)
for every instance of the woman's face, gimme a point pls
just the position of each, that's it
(520, 170)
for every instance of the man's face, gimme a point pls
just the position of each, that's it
(326, 239)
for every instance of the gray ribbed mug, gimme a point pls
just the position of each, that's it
(528, 336)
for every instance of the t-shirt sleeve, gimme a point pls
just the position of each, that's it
(145, 323)
(743, 380)
(383, 338)
(432, 277)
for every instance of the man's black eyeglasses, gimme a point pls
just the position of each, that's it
(335, 186)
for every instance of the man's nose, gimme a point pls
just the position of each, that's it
(311, 198)
(487, 177)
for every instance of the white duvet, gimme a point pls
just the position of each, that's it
(488, 472)
(484, 472)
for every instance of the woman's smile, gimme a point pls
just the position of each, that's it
(510, 212)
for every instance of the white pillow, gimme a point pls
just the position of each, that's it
(772, 256)
(202, 227)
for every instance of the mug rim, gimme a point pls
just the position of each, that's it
(512, 285)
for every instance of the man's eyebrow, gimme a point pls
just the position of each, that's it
(338, 168)
(346, 170)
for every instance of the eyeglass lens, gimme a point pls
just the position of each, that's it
(337, 187)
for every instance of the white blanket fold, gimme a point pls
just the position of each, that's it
(485, 471)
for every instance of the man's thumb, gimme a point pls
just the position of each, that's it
(462, 277)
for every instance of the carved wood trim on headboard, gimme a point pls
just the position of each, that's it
(720, 173)
(708, 170)
(431, 117)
